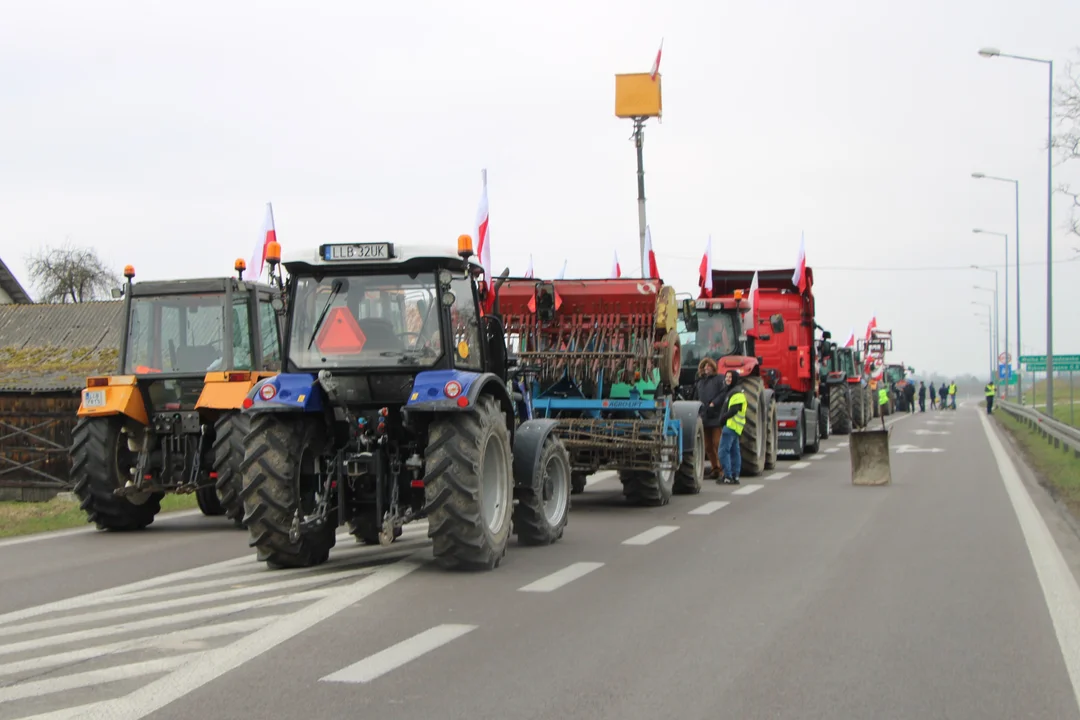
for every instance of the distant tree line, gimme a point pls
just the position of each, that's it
(1067, 138)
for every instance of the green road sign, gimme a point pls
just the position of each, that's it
(1058, 367)
(1041, 359)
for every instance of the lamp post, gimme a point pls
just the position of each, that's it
(997, 330)
(990, 330)
(978, 231)
(991, 53)
(1016, 260)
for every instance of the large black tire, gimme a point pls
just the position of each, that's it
(647, 488)
(101, 463)
(468, 453)
(815, 445)
(542, 510)
(824, 420)
(206, 497)
(278, 451)
(692, 471)
(858, 407)
(753, 440)
(578, 482)
(773, 441)
(229, 433)
(363, 529)
(840, 410)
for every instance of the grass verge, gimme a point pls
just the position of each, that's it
(1058, 471)
(26, 518)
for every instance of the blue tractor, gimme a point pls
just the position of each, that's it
(395, 404)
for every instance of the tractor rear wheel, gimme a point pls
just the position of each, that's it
(543, 506)
(468, 454)
(692, 471)
(754, 435)
(279, 479)
(229, 433)
(840, 410)
(772, 432)
(100, 463)
(858, 407)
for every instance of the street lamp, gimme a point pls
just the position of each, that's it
(991, 53)
(978, 231)
(997, 327)
(989, 329)
(1016, 255)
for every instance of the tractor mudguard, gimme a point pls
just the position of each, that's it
(429, 393)
(227, 390)
(292, 392)
(116, 395)
(687, 413)
(528, 446)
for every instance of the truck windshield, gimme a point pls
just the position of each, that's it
(365, 321)
(715, 338)
(178, 334)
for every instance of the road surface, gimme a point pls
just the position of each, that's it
(796, 595)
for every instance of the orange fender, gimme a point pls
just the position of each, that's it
(117, 395)
(227, 390)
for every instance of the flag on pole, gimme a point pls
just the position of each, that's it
(483, 236)
(798, 279)
(529, 272)
(656, 62)
(562, 273)
(648, 261)
(751, 322)
(258, 256)
(616, 269)
(870, 327)
(850, 342)
(705, 271)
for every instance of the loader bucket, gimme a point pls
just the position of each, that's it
(870, 457)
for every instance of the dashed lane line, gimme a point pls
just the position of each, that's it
(395, 656)
(832, 450)
(747, 489)
(709, 508)
(651, 535)
(559, 578)
(799, 465)
(817, 456)
(777, 475)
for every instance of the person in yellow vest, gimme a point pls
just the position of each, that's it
(990, 397)
(952, 396)
(734, 419)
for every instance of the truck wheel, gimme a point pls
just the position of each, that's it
(278, 478)
(752, 442)
(229, 433)
(815, 446)
(772, 429)
(578, 483)
(100, 463)
(543, 507)
(824, 419)
(692, 471)
(468, 453)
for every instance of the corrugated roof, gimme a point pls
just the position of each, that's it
(48, 348)
(12, 287)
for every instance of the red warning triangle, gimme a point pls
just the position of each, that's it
(340, 333)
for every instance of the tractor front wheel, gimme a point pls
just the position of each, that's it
(772, 430)
(101, 462)
(754, 435)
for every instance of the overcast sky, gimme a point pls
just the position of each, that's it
(157, 131)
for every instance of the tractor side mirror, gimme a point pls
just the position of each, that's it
(689, 313)
(117, 293)
(825, 334)
(777, 323)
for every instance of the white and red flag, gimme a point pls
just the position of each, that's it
(648, 260)
(258, 258)
(751, 323)
(656, 62)
(529, 273)
(850, 342)
(798, 278)
(705, 271)
(870, 327)
(483, 238)
(616, 269)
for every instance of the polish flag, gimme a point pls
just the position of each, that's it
(258, 258)
(850, 342)
(798, 279)
(705, 271)
(870, 327)
(529, 273)
(483, 237)
(648, 261)
(750, 323)
(562, 273)
(616, 269)
(656, 62)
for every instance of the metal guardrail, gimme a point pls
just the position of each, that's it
(1057, 433)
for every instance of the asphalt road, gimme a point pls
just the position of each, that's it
(797, 595)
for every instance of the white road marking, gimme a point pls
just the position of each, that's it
(832, 450)
(557, 579)
(747, 489)
(799, 465)
(818, 456)
(709, 508)
(601, 477)
(72, 713)
(1059, 587)
(651, 535)
(778, 476)
(843, 444)
(93, 678)
(395, 656)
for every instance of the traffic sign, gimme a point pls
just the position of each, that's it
(1004, 358)
(1058, 366)
(1041, 359)
(1004, 371)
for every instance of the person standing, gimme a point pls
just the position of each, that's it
(922, 396)
(952, 395)
(933, 397)
(734, 418)
(943, 394)
(710, 392)
(909, 392)
(990, 398)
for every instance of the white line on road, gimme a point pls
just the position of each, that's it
(557, 579)
(651, 535)
(395, 656)
(818, 456)
(93, 678)
(747, 489)
(71, 713)
(843, 444)
(799, 465)
(778, 476)
(600, 477)
(832, 450)
(1058, 584)
(709, 508)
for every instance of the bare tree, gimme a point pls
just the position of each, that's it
(70, 274)
(1067, 139)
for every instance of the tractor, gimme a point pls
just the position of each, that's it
(833, 388)
(170, 421)
(394, 406)
(716, 328)
(874, 348)
(849, 363)
(601, 358)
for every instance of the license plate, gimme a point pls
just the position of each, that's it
(93, 398)
(355, 252)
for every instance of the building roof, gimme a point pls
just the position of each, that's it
(12, 287)
(54, 347)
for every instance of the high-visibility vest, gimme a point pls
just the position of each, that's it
(990, 390)
(738, 421)
(952, 389)
(882, 397)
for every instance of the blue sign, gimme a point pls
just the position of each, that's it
(1004, 371)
